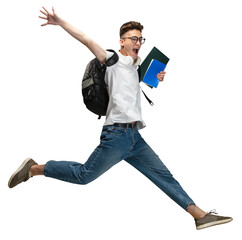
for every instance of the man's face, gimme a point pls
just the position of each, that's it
(129, 47)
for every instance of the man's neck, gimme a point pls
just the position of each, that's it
(125, 54)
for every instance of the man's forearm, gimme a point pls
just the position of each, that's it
(99, 52)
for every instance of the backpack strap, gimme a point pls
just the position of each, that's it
(112, 60)
(139, 72)
(150, 102)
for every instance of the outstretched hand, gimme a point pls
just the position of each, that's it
(51, 18)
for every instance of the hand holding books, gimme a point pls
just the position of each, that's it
(152, 68)
(161, 76)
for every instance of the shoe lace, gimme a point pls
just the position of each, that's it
(212, 212)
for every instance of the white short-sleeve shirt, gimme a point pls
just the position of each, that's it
(124, 92)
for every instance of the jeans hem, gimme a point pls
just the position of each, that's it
(189, 204)
(46, 169)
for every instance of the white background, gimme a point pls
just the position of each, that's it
(195, 125)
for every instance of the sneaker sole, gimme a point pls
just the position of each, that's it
(18, 170)
(206, 225)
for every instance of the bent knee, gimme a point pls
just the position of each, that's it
(84, 180)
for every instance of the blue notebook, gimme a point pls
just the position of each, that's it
(155, 53)
(154, 68)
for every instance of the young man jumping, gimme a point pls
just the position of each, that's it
(120, 138)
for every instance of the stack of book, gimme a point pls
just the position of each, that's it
(154, 63)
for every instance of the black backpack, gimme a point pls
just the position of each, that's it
(94, 89)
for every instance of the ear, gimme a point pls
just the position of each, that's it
(121, 41)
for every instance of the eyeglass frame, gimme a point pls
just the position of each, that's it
(137, 39)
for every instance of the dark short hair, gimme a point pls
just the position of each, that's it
(130, 26)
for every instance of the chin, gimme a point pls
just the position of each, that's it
(135, 57)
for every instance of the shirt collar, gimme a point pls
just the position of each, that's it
(128, 60)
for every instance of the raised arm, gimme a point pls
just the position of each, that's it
(53, 19)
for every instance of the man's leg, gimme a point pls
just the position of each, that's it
(113, 148)
(144, 159)
(99, 162)
(36, 170)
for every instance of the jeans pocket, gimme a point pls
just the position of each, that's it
(117, 131)
(104, 134)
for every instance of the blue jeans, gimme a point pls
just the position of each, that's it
(117, 144)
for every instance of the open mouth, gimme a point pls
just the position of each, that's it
(136, 51)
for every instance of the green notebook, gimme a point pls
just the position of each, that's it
(154, 54)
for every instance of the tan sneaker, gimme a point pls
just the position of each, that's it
(22, 173)
(210, 220)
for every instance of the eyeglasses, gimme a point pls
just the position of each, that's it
(135, 39)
